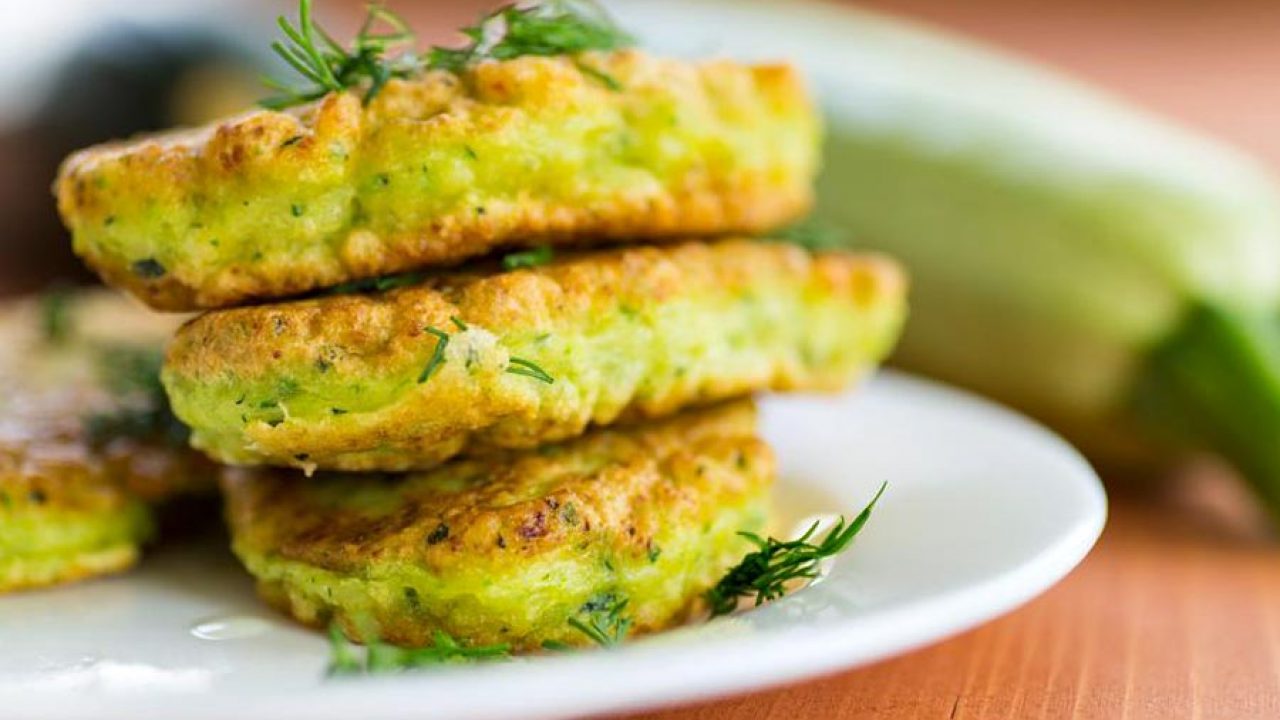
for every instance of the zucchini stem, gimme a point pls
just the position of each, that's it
(1217, 381)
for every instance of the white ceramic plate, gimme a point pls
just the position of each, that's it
(984, 510)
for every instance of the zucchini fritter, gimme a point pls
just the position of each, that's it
(516, 153)
(469, 362)
(509, 548)
(85, 443)
(64, 518)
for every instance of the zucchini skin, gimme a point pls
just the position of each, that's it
(1065, 249)
(1057, 238)
(1048, 292)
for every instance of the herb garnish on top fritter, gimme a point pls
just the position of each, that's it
(554, 27)
(543, 131)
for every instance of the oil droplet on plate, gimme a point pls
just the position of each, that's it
(796, 502)
(232, 627)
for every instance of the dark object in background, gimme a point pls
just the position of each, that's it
(126, 79)
(132, 78)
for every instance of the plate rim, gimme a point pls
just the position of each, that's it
(776, 657)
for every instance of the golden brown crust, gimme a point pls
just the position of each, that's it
(507, 548)
(258, 339)
(30, 575)
(639, 332)
(620, 483)
(741, 160)
(71, 504)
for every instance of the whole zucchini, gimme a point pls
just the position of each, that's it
(1088, 263)
(1095, 266)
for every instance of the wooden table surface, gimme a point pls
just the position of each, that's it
(1176, 613)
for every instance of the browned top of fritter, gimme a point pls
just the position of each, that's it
(381, 329)
(522, 152)
(622, 484)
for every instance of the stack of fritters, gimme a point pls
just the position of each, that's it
(567, 435)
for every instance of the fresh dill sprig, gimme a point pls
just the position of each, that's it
(600, 76)
(330, 67)
(342, 655)
(131, 370)
(55, 314)
(767, 571)
(815, 235)
(377, 284)
(437, 357)
(551, 27)
(520, 366)
(383, 658)
(528, 258)
(139, 408)
(605, 622)
(515, 365)
(135, 422)
(142, 411)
